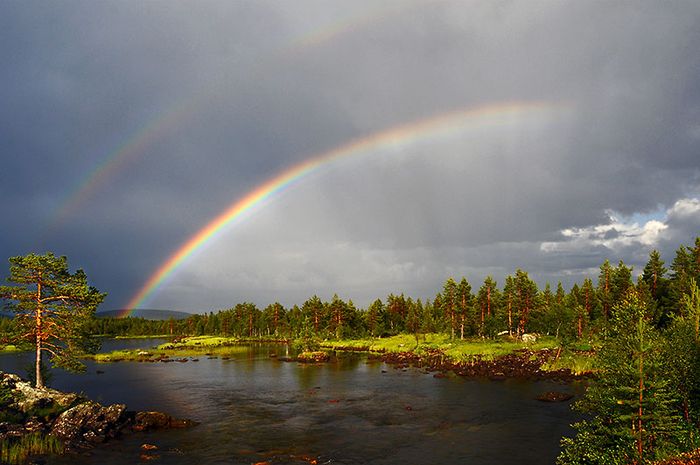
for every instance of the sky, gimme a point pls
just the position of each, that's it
(442, 138)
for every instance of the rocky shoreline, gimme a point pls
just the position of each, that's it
(77, 422)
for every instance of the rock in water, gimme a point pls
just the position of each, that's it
(72, 419)
(145, 421)
(554, 396)
(90, 422)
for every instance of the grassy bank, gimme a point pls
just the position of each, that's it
(16, 452)
(8, 349)
(148, 336)
(577, 359)
(469, 349)
(185, 347)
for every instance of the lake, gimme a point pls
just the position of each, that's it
(254, 408)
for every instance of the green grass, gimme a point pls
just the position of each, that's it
(468, 349)
(202, 341)
(17, 452)
(457, 350)
(576, 362)
(148, 336)
(461, 350)
(187, 347)
(10, 349)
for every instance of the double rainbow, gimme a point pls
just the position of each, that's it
(166, 121)
(494, 114)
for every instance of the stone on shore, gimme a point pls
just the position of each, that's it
(89, 422)
(77, 422)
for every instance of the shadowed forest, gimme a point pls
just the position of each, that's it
(460, 309)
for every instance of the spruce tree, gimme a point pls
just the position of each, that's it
(633, 416)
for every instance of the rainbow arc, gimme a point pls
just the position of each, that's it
(400, 136)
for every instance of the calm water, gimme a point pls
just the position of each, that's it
(253, 408)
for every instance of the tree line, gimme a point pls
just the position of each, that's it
(458, 309)
(643, 405)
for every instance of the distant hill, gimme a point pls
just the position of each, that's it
(148, 314)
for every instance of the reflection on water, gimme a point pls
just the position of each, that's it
(254, 408)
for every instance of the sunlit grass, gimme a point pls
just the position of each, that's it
(145, 336)
(186, 347)
(456, 349)
(201, 341)
(470, 349)
(10, 349)
(578, 363)
(17, 452)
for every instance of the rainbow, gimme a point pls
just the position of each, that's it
(166, 121)
(121, 157)
(494, 114)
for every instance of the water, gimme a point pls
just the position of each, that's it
(254, 408)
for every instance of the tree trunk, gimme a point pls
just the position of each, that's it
(39, 335)
(488, 302)
(579, 329)
(510, 317)
(39, 380)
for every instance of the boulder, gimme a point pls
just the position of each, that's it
(89, 422)
(72, 419)
(144, 421)
(28, 398)
(313, 357)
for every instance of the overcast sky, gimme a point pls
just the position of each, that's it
(127, 126)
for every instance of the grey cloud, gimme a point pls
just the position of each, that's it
(82, 78)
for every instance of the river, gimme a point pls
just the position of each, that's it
(254, 408)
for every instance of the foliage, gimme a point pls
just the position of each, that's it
(17, 452)
(632, 403)
(45, 371)
(52, 308)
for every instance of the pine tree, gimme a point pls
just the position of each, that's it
(525, 299)
(634, 419)
(654, 275)
(53, 308)
(684, 269)
(509, 295)
(487, 302)
(464, 304)
(449, 304)
(605, 289)
(338, 311)
(376, 318)
(396, 312)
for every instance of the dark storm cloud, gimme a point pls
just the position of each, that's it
(262, 86)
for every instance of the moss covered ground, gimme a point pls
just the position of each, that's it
(577, 359)
(186, 347)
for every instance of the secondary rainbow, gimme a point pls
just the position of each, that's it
(493, 114)
(170, 118)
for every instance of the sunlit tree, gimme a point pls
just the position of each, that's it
(53, 308)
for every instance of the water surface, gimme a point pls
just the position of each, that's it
(254, 408)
